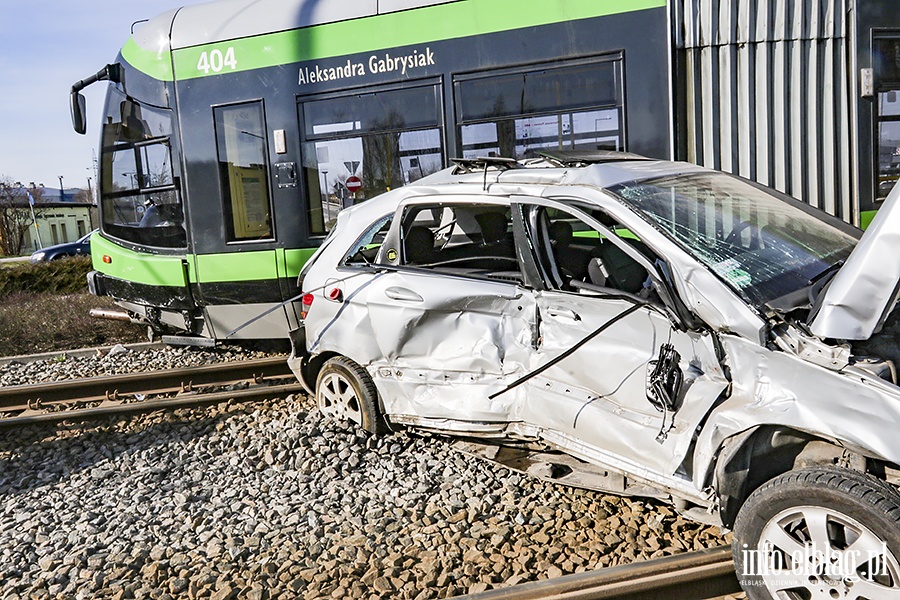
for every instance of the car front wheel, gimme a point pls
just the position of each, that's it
(819, 533)
(344, 391)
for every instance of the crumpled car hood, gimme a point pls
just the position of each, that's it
(862, 293)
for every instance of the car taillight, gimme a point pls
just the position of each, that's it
(305, 303)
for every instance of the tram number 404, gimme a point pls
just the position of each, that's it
(216, 61)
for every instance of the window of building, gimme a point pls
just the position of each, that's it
(62, 229)
(515, 113)
(54, 235)
(79, 226)
(361, 145)
(243, 171)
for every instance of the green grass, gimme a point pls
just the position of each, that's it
(66, 276)
(45, 307)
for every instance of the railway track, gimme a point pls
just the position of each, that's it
(700, 575)
(153, 390)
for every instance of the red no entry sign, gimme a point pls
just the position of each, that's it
(353, 183)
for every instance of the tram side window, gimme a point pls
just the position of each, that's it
(887, 74)
(140, 202)
(241, 142)
(515, 113)
(361, 145)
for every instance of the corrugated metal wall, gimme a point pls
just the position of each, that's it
(767, 93)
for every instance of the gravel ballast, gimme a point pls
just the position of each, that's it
(269, 500)
(116, 361)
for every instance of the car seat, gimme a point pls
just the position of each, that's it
(568, 258)
(495, 234)
(610, 266)
(419, 245)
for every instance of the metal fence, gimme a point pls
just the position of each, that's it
(768, 94)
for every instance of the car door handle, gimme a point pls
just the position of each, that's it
(402, 294)
(566, 313)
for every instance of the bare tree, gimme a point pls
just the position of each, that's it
(381, 157)
(15, 215)
(84, 196)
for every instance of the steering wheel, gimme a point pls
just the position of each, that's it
(733, 237)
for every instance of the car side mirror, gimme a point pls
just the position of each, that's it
(77, 107)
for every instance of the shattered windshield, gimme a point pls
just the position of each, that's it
(762, 244)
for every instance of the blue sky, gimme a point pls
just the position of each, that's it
(46, 46)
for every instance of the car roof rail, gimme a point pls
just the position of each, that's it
(483, 163)
(581, 158)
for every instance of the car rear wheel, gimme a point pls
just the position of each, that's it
(819, 533)
(345, 392)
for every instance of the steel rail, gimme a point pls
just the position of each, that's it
(100, 388)
(253, 393)
(122, 393)
(696, 575)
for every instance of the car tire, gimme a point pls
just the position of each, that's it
(344, 391)
(782, 527)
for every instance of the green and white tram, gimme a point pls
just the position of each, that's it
(234, 131)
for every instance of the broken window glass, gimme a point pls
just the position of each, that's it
(761, 244)
(366, 248)
(576, 256)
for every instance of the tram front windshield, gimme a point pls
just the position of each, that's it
(140, 201)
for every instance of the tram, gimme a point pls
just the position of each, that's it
(234, 131)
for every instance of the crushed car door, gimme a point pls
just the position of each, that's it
(450, 316)
(616, 379)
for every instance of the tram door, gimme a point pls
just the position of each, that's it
(241, 276)
(887, 116)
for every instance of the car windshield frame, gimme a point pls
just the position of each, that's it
(763, 244)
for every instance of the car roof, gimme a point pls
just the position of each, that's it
(599, 169)
(480, 176)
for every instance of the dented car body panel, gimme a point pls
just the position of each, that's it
(466, 338)
(854, 409)
(608, 407)
(559, 306)
(860, 296)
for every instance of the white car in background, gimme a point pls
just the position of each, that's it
(639, 327)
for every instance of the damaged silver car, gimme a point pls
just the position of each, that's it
(638, 327)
